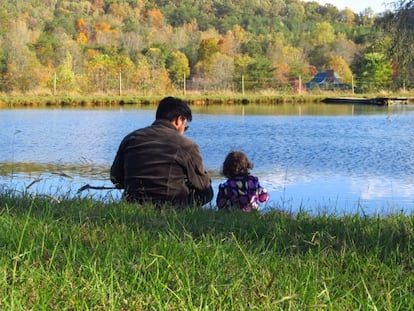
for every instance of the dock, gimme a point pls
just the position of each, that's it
(378, 101)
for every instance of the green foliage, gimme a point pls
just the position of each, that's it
(3, 70)
(260, 72)
(376, 72)
(66, 79)
(45, 48)
(4, 21)
(399, 26)
(178, 67)
(208, 47)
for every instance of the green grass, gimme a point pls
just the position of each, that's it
(80, 254)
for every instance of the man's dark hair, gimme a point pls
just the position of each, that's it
(170, 108)
(236, 164)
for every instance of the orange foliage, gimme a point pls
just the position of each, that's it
(156, 17)
(91, 53)
(102, 27)
(281, 74)
(80, 25)
(225, 46)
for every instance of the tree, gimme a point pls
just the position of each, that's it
(337, 64)
(178, 67)
(155, 18)
(230, 44)
(259, 73)
(347, 16)
(207, 48)
(281, 75)
(241, 63)
(324, 34)
(376, 72)
(3, 71)
(66, 80)
(102, 73)
(4, 21)
(221, 71)
(45, 48)
(399, 25)
(24, 71)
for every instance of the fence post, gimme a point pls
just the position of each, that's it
(120, 83)
(54, 84)
(184, 85)
(352, 84)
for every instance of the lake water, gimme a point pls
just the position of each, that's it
(313, 157)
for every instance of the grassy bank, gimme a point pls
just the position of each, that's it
(33, 101)
(116, 101)
(86, 255)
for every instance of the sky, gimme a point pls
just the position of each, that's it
(359, 5)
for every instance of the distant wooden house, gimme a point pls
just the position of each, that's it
(327, 80)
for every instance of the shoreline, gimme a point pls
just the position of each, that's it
(22, 101)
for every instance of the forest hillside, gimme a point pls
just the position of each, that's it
(152, 47)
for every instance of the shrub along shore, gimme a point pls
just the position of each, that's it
(82, 254)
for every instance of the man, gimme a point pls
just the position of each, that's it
(158, 164)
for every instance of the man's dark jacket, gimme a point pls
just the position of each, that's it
(158, 164)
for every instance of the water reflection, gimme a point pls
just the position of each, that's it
(339, 158)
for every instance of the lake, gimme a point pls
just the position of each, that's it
(312, 157)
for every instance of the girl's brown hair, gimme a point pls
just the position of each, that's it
(236, 164)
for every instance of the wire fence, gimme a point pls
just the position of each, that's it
(121, 85)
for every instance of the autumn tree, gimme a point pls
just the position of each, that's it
(158, 78)
(281, 75)
(155, 17)
(399, 26)
(65, 77)
(231, 43)
(347, 16)
(24, 71)
(220, 72)
(208, 47)
(141, 77)
(105, 34)
(324, 34)
(337, 64)
(178, 67)
(102, 73)
(83, 31)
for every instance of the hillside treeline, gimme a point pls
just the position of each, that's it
(154, 47)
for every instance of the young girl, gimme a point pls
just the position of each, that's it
(241, 190)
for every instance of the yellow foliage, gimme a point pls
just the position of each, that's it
(82, 38)
(338, 64)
